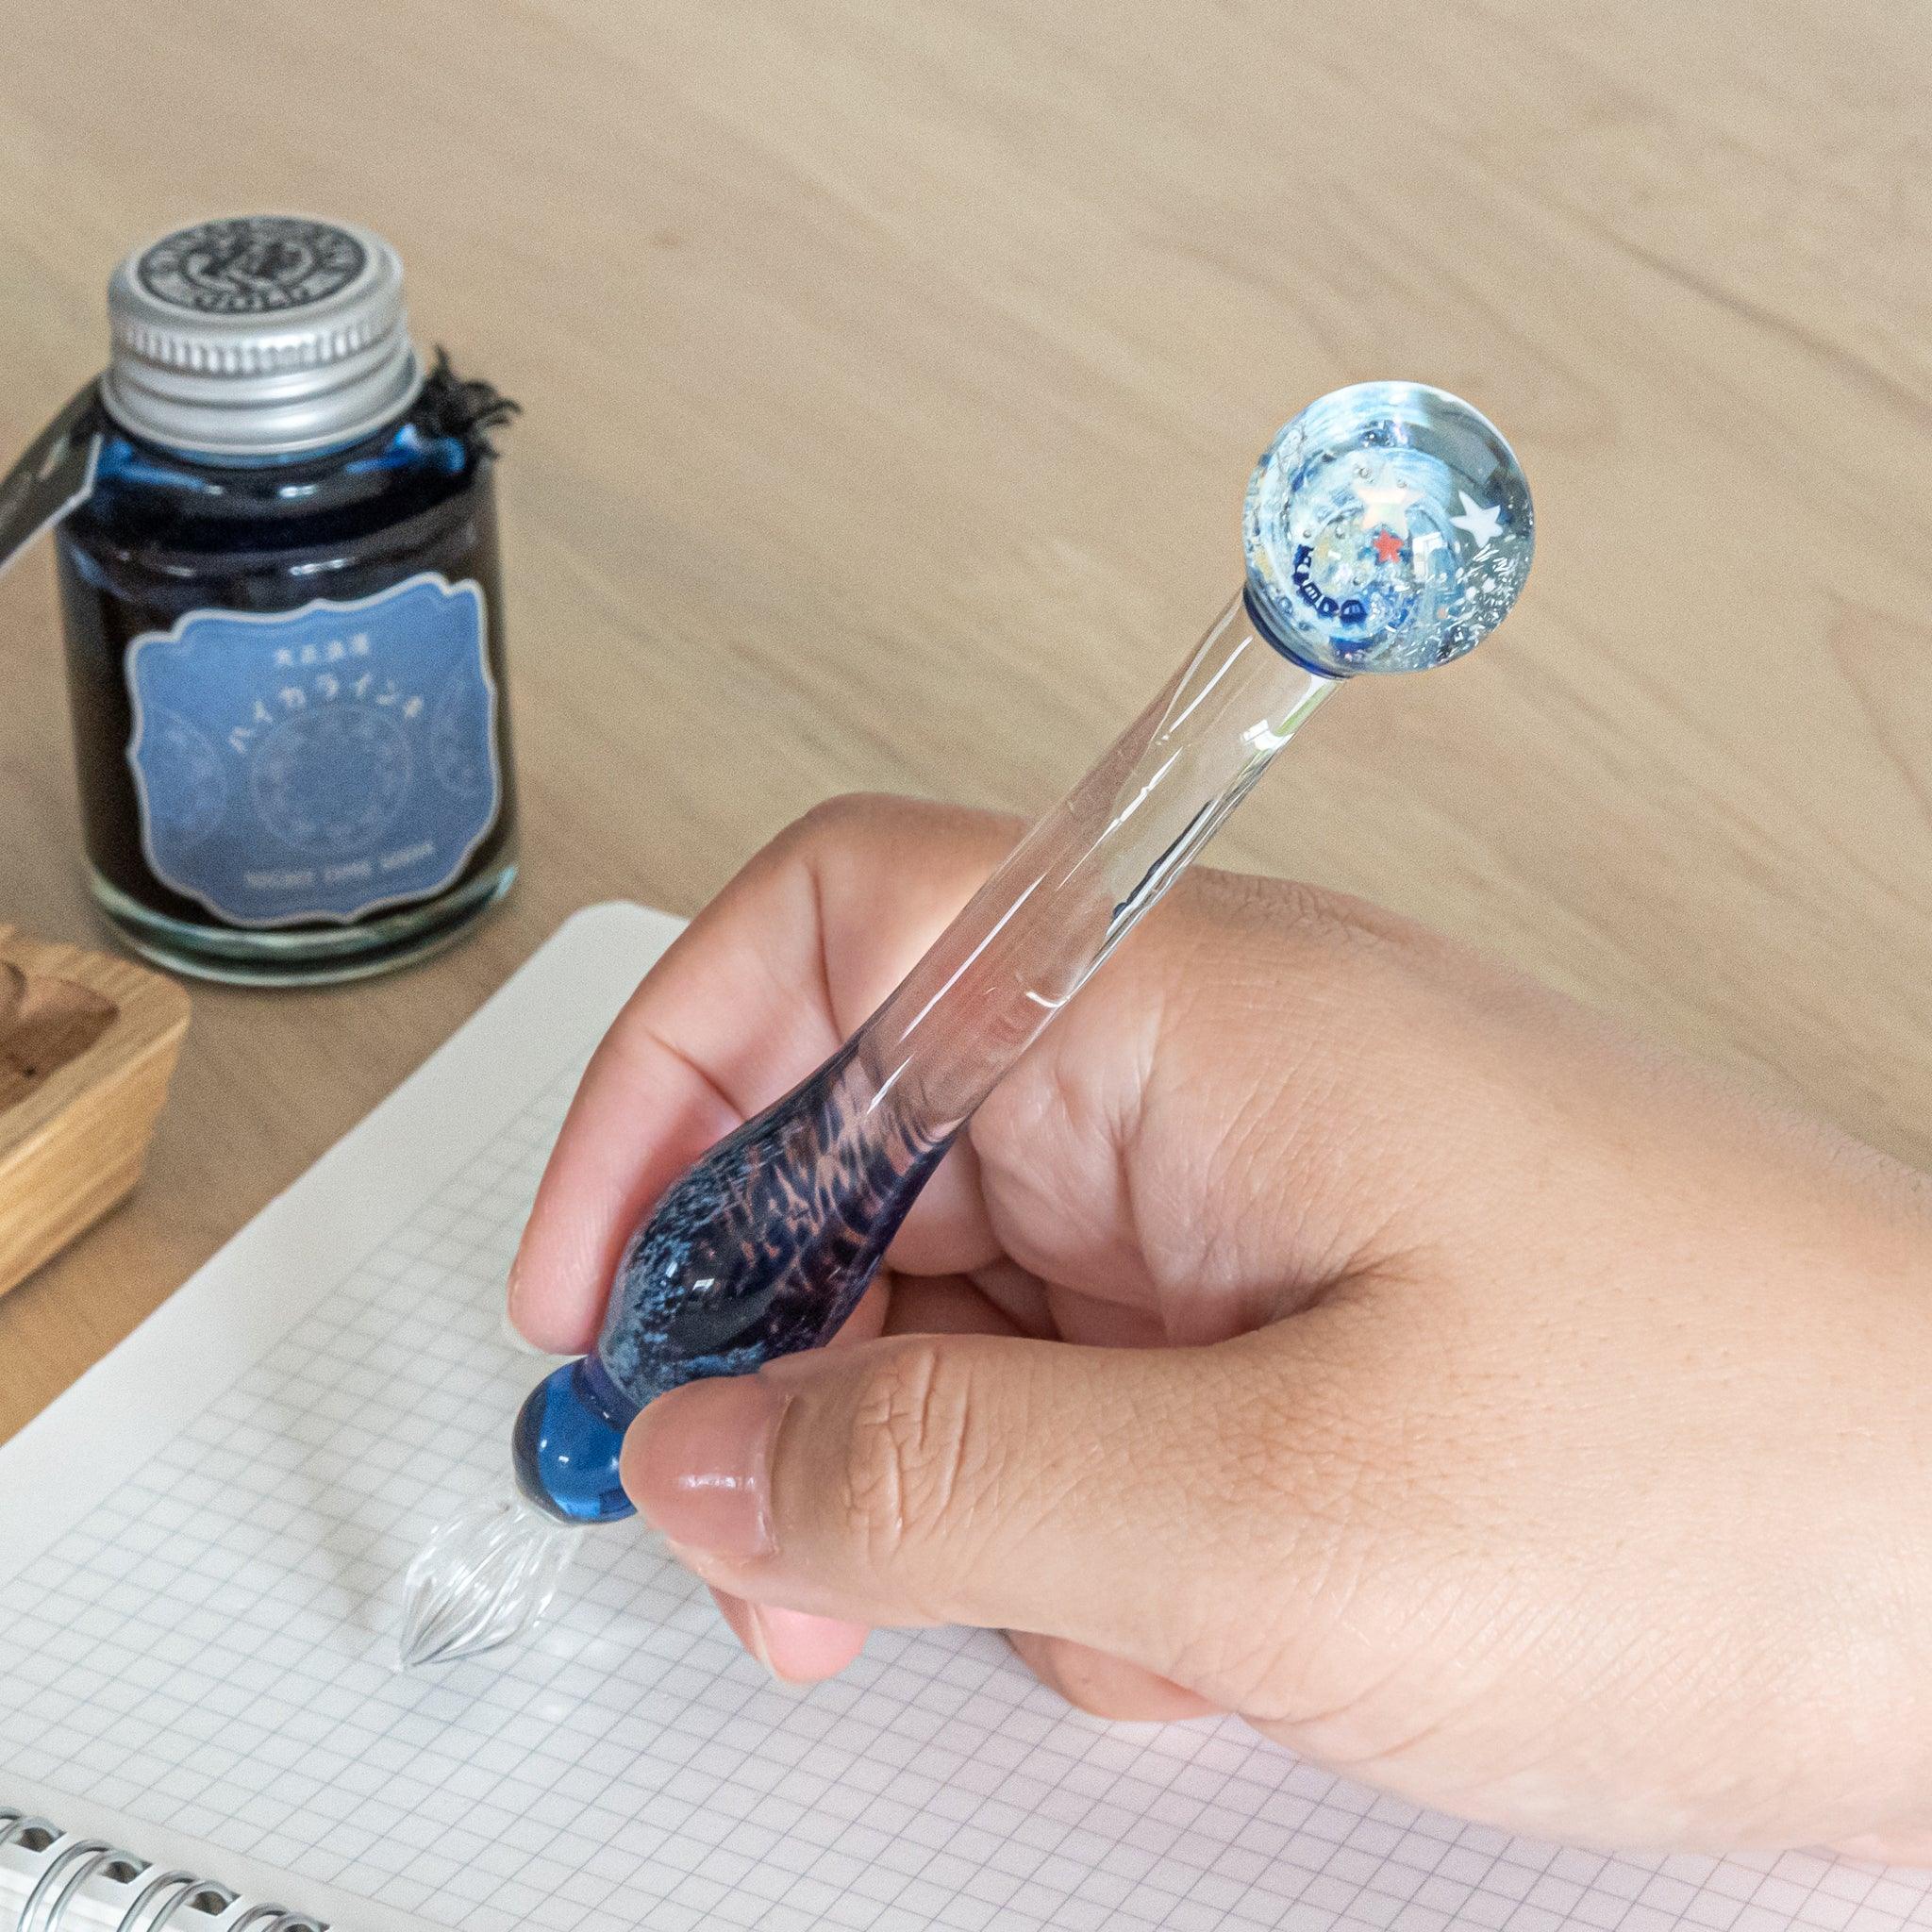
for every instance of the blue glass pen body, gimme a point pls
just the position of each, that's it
(761, 1249)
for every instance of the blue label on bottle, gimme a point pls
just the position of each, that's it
(316, 763)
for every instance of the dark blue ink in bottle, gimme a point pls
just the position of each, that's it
(283, 613)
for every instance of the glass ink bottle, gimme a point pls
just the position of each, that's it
(283, 615)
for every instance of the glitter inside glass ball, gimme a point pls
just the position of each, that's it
(1389, 527)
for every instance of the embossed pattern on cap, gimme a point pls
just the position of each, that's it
(250, 264)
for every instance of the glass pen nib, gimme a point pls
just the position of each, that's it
(486, 1577)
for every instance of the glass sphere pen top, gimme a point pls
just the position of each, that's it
(1387, 527)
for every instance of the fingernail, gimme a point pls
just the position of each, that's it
(757, 1641)
(697, 1464)
(511, 1290)
(515, 1336)
(747, 1624)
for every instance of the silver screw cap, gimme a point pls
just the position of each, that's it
(260, 335)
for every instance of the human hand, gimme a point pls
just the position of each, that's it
(1322, 1324)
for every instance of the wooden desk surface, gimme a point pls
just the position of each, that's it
(892, 373)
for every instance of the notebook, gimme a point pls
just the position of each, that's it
(200, 1553)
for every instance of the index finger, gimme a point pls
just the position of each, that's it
(769, 978)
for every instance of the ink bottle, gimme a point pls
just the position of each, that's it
(283, 615)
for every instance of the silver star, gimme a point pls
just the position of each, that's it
(1484, 523)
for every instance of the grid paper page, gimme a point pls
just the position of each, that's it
(207, 1648)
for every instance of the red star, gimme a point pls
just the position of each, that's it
(1388, 545)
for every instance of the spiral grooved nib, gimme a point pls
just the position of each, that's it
(486, 1577)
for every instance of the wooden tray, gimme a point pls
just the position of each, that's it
(86, 1045)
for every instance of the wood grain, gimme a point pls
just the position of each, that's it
(86, 1045)
(892, 375)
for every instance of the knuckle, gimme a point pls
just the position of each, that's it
(884, 823)
(1277, 942)
(828, 827)
(832, 820)
(1313, 918)
(909, 1448)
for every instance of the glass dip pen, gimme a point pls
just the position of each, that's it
(1387, 529)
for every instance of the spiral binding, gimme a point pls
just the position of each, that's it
(73, 1863)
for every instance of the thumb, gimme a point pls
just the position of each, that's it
(1141, 1502)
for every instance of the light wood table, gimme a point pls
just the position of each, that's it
(893, 372)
